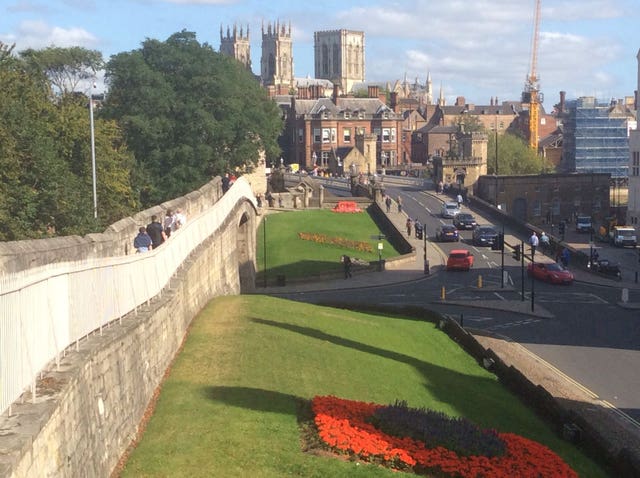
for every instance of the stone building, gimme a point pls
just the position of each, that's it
(549, 198)
(276, 63)
(339, 57)
(464, 163)
(236, 45)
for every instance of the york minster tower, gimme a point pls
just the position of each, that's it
(236, 45)
(339, 57)
(276, 63)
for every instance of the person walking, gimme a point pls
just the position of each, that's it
(409, 224)
(387, 202)
(544, 242)
(459, 199)
(399, 205)
(346, 262)
(142, 242)
(533, 242)
(565, 257)
(156, 232)
(169, 220)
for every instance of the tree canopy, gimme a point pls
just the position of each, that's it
(188, 114)
(514, 156)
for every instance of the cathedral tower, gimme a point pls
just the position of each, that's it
(236, 45)
(276, 63)
(339, 57)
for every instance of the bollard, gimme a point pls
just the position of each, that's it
(443, 294)
(479, 281)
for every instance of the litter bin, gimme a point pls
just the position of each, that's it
(281, 280)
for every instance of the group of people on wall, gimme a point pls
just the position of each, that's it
(156, 233)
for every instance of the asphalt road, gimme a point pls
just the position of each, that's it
(588, 337)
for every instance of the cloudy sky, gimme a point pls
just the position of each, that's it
(472, 48)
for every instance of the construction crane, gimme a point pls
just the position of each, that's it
(531, 94)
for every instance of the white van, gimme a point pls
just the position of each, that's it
(450, 209)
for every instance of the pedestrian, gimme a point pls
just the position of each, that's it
(225, 183)
(459, 199)
(440, 187)
(169, 220)
(544, 242)
(346, 262)
(533, 242)
(387, 201)
(399, 205)
(409, 224)
(142, 242)
(565, 257)
(180, 219)
(156, 232)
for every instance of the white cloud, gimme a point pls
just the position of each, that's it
(39, 34)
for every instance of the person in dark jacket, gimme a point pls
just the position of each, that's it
(142, 242)
(156, 232)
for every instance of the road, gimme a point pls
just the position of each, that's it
(587, 335)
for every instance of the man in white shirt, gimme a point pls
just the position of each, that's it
(533, 242)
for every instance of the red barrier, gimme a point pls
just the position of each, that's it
(346, 206)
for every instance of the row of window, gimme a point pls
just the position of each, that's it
(536, 207)
(329, 135)
(635, 165)
(387, 158)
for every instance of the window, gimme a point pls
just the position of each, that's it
(325, 114)
(300, 135)
(386, 135)
(555, 206)
(543, 121)
(393, 135)
(326, 135)
(346, 135)
(378, 133)
(316, 135)
(360, 114)
(324, 158)
(347, 114)
(334, 133)
(537, 208)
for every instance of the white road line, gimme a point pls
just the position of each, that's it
(499, 296)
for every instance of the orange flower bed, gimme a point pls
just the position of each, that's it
(343, 426)
(335, 241)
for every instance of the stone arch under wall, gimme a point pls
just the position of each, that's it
(245, 249)
(520, 209)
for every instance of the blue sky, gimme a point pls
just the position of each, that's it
(474, 48)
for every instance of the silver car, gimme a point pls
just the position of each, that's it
(450, 209)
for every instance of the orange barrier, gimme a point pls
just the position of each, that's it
(346, 206)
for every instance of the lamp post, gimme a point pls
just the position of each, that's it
(93, 155)
(264, 250)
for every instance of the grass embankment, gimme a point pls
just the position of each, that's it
(289, 255)
(229, 406)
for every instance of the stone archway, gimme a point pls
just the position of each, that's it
(245, 248)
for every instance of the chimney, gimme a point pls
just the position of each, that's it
(374, 91)
(563, 96)
(334, 96)
(394, 101)
(460, 101)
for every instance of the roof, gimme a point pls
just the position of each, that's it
(368, 106)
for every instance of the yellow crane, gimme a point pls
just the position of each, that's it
(531, 94)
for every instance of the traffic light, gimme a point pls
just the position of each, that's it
(498, 244)
(516, 252)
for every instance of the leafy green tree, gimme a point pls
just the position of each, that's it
(468, 123)
(188, 114)
(514, 156)
(66, 68)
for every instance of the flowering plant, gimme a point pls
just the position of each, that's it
(345, 426)
(336, 241)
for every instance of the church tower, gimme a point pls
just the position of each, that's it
(276, 63)
(429, 92)
(339, 57)
(236, 45)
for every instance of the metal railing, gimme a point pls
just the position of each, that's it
(45, 310)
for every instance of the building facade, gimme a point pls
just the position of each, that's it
(464, 163)
(596, 137)
(633, 207)
(236, 45)
(339, 57)
(322, 132)
(276, 63)
(547, 199)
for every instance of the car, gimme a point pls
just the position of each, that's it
(551, 272)
(449, 210)
(484, 235)
(447, 233)
(460, 259)
(464, 220)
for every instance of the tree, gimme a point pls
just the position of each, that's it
(468, 123)
(66, 68)
(514, 156)
(188, 113)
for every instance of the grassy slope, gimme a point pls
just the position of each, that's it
(229, 405)
(299, 257)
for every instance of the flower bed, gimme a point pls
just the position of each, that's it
(345, 427)
(336, 241)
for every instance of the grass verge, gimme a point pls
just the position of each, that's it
(231, 403)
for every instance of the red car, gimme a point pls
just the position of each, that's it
(550, 272)
(460, 259)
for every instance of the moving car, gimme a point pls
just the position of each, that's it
(583, 224)
(447, 233)
(464, 220)
(449, 210)
(484, 236)
(460, 259)
(550, 272)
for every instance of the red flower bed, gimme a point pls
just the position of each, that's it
(342, 425)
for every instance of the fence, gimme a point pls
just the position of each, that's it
(45, 310)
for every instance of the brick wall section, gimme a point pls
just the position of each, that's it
(88, 411)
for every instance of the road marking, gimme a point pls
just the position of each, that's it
(478, 318)
(499, 296)
(517, 323)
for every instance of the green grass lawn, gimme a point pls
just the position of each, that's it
(229, 406)
(293, 257)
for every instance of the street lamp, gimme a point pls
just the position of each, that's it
(93, 155)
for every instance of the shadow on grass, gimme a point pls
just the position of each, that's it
(254, 398)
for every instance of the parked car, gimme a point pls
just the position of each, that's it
(484, 236)
(447, 233)
(550, 272)
(460, 259)
(449, 210)
(464, 220)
